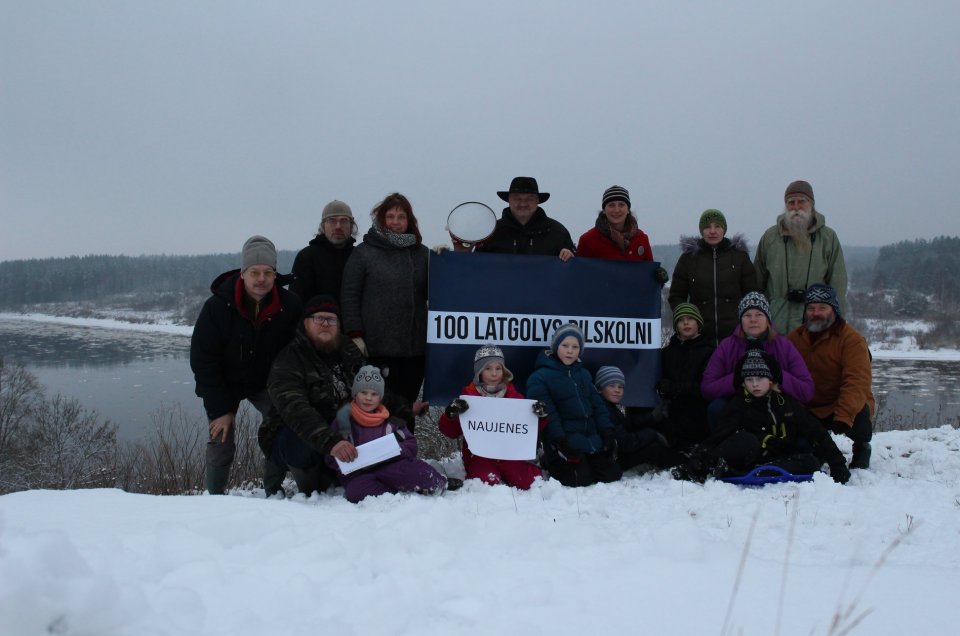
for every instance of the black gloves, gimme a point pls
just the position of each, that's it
(665, 388)
(839, 471)
(609, 443)
(661, 276)
(539, 409)
(567, 452)
(455, 408)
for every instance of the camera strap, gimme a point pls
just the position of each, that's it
(786, 261)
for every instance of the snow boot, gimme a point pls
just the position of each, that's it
(273, 476)
(217, 478)
(454, 484)
(861, 455)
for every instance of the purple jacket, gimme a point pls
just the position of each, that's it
(718, 378)
(357, 435)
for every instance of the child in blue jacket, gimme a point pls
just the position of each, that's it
(579, 442)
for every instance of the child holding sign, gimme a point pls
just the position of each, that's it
(365, 419)
(491, 378)
(580, 446)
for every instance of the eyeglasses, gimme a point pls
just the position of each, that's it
(261, 273)
(324, 321)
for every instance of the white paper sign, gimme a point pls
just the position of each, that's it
(373, 452)
(500, 428)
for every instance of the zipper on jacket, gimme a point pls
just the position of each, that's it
(716, 302)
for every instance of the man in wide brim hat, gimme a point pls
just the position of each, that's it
(523, 185)
(524, 228)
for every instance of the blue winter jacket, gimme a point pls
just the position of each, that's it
(576, 412)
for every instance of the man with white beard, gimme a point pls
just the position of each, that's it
(796, 252)
(839, 361)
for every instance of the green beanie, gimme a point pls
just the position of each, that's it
(713, 216)
(687, 309)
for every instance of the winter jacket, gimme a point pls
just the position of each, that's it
(682, 365)
(596, 243)
(307, 389)
(450, 426)
(839, 363)
(777, 255)
(318, 268)
(576, 412)
(350, 430)
(384, 297)
(783, 426)
(714, 278)
(230, 352)
(719, 377)
(541, 236)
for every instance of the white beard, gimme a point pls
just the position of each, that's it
(797, 224)
(822, 324)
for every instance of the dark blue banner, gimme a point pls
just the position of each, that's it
(517, 302)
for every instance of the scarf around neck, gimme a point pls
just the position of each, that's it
(369, 420)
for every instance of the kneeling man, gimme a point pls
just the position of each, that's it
(839, 361)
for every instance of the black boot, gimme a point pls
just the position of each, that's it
(861, 455)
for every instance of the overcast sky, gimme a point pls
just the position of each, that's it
(183, 127)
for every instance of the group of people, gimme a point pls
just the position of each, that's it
(339, 358)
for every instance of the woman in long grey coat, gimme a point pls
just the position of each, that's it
(713, 273)
(384, 296)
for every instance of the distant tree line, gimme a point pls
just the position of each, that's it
(90, 278)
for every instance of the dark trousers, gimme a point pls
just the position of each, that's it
(742, 451)
(306, 463)
(861, 431)
(403, 376)
(586, 472)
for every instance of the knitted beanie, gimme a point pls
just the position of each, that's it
(609, 375)
(258, 250)
(321, 302)
(336, 208)
(368, 377)
(713, 216)
(822, 293)
(484, 356)
(757, 363)
(569, 329)
(799, 187)
(687, 309)
(615, 193)
(754, 300)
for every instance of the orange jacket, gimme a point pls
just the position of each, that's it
(839, 362)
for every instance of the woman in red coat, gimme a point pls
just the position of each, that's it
(616, 234)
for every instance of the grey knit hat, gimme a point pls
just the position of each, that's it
(368, 377)
(754, 300)
(615, 193)
(258, 250)
(822, 293)
(569, 329)
(609, 375)
(336, 208)
(484, 356)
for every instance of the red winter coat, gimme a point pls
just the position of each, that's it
(594, 244)
(451, 426)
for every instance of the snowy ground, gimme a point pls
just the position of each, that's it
(646, 555)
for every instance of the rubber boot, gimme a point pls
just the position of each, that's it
(861, 455)
(217, 478)
(273, 476)
(310, 479)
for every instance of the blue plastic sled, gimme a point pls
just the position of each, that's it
(763, 475)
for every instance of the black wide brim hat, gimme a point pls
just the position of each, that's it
(524, 185)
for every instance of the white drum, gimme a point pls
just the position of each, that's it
(471, 223)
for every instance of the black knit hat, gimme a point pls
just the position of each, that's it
(753, 300)
(321, 302)
(523, 185)
(615, 193)
(757, 363)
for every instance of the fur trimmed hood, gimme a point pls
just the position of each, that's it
(694, 244)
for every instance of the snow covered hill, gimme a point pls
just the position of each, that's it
(646, 555)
